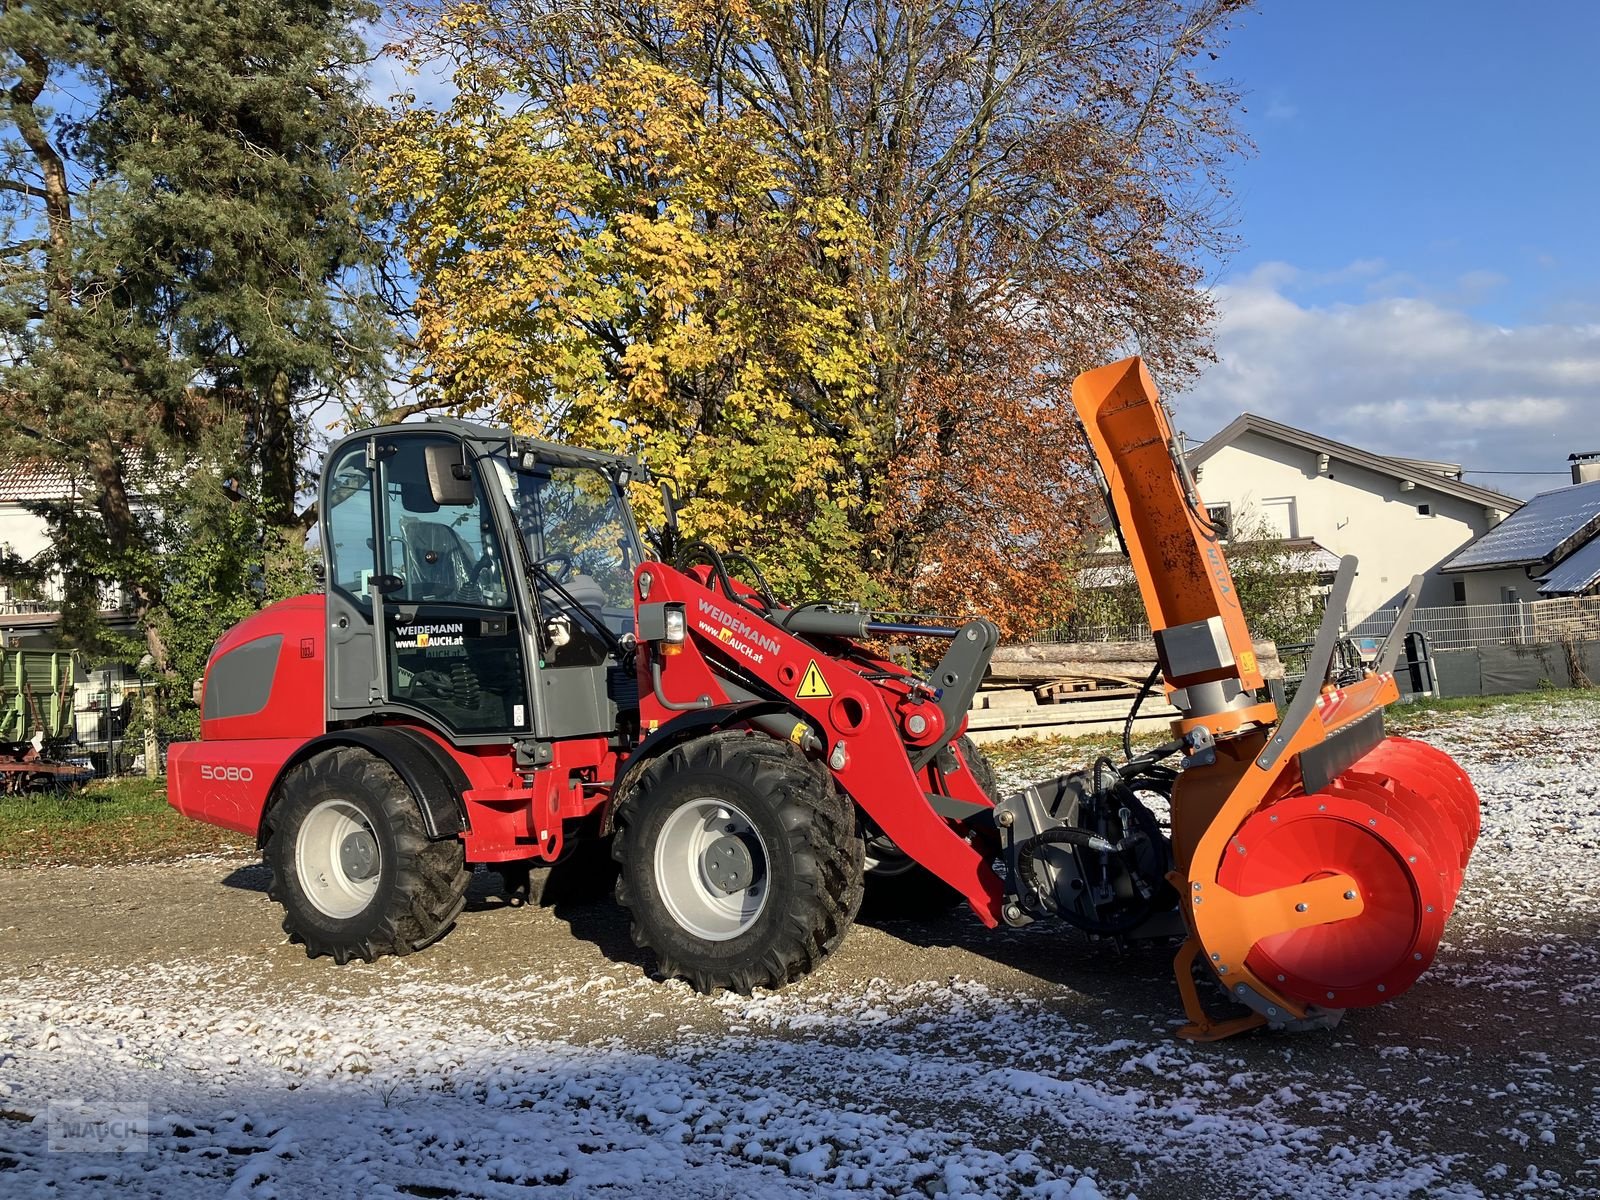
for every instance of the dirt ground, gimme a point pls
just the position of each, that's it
(933, 1057)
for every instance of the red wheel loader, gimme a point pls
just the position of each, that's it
(498, 672)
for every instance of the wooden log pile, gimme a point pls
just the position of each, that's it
(1050, 689)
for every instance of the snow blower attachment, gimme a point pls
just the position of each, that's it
(1316, 860)
(500, 672)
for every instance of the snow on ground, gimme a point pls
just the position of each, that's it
(528, 1054)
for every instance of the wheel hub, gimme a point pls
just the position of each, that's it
(337, 859)
(727, 865)
(358, 855)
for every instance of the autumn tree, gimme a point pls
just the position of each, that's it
(832, 255)
(607, 264)
(179, 286)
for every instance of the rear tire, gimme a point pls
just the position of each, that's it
(741, 864)
(896, 887)
(352, 864)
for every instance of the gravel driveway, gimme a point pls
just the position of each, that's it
(529, 1053)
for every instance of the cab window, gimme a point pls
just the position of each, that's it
(575, 525)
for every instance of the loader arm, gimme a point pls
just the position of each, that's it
(1315, 859)
(885, 733)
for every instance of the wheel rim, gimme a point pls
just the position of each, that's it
(711, 869)
(337, 858)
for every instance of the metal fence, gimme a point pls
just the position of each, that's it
(1449, 627)
(1094, 633)
(50, 596)
(1464, 626)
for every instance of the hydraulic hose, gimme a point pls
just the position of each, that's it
(1067, 835)
(1127, 726)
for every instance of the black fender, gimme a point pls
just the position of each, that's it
(435, 780)
(681, 729)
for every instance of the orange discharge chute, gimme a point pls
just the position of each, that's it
(1317, 859)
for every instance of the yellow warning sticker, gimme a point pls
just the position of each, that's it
(1247, 662)
(812, 685)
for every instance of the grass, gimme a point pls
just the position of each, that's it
(1026, 754)
(109, 821)
(1482, 706)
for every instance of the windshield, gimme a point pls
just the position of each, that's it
(574, 525)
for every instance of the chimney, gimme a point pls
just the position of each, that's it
(1585, 467)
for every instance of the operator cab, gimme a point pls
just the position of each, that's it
(479, 582)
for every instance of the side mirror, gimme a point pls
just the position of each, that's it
(450, 483)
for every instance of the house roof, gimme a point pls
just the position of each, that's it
(24, 481)
(1423, 473)
(1542, 532)
(1576, 575)
(1432, 466)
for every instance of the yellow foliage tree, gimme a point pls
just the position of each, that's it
(624, 264)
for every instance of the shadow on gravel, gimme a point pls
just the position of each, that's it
(585, 876)
(605, 927)
(253, 877)
(1139, 974)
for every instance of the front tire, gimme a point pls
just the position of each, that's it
(741, 864)
(352, 864)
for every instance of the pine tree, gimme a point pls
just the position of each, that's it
(182, 284)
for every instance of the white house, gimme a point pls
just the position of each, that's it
(24, 534)
(25, 538)
(30, 614)
(1401, 517)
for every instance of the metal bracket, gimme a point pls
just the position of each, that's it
(1389, 652)
(1317, 663)
(957, 678)
(1199, 748)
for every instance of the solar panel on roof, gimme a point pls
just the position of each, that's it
(1577, 573)
(1534, 531)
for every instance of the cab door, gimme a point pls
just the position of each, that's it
(426, 600)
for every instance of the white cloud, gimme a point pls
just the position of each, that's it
(1279, 109)
(1403, 375)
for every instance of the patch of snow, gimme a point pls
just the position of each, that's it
(402, 1083)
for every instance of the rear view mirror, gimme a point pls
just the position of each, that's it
(449, 476)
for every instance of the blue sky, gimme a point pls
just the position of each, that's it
(1420, 272)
